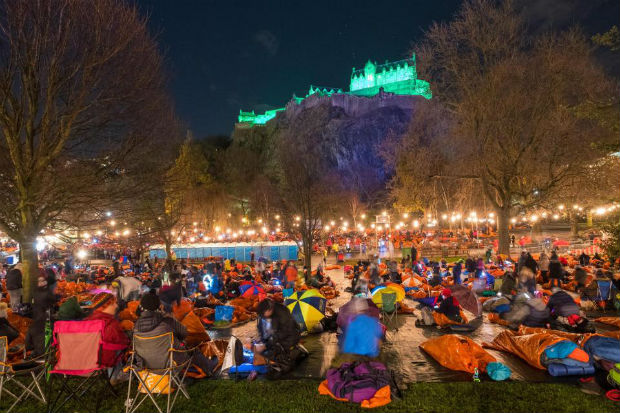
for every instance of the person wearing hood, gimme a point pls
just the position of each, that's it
(448, 305)
(153, 322)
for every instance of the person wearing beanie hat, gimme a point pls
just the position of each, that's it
(6, 329)
(150, 302)
(153, 322)
(104, 308)
(448, 305)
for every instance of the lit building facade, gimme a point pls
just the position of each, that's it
(395, 78)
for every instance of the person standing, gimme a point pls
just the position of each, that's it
(543, 264)
(291, 275)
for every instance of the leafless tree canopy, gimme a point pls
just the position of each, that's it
(505, 111)
(81, 91)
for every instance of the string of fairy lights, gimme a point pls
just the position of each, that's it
(119, 231)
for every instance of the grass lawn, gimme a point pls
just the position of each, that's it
(302, 396)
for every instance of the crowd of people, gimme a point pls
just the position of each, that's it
(534, 291)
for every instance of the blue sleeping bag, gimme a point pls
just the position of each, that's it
(560, 349)
(606, 348)
(559, 369)
(247, 368)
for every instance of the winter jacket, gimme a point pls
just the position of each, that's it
(543, 262)
(14, 279)
(555, 269)
(562, 304)
(285, 330)
(581, 276)
(509, 283)
(448, 307)
(113, 336)
(538, 315)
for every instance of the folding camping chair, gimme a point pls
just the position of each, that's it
(152, 364)
(78, 345)
(604, 293)
(389, 307)
(17, 373)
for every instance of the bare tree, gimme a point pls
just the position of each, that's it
(307, 184)
(81, 91)
(509, 102)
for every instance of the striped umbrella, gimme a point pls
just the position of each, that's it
(249, 290)
(307, 307)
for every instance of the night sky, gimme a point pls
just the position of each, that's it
(225, 55)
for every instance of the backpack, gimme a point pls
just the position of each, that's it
(357, 381)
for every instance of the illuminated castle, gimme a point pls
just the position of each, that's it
(391, 78)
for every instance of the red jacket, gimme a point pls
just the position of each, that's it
(114, 337)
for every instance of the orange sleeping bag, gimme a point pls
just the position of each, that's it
(528, 347)
(381, 397)
(612, 321)
(196, 332)
(457, 352)
(442, 320)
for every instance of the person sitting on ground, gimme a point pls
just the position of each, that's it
(509, 283)
(527, 310)
(316, 281)
(447, 305)
(527, 280)
(128, 289)
(153, 322)
(279, 333)
(6, 329)
(104, 308)
(172, 293)
(436, 278)
(566, 312)
(444, 304)
(14, 286)
(581, 277)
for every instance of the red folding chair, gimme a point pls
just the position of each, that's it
(77, 346)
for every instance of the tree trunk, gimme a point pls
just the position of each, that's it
(30, 271)
(503, 218)
(308, 251)
(574, 224)
(168, 245)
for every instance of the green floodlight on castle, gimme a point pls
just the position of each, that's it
(399, 78)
